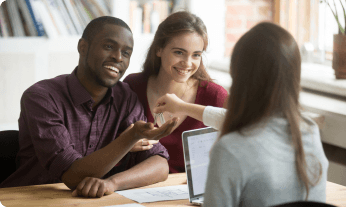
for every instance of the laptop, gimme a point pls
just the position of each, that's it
(196, 146)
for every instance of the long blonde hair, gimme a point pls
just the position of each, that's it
(265, 70)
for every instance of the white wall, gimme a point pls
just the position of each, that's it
(25, 61)
(213, 16)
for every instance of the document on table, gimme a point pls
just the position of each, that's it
(127, 205)
(147, 195)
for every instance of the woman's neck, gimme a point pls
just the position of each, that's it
(163, 85)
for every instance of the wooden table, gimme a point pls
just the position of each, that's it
(335, 194)
(59, 195)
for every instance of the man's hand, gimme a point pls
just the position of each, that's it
(93, 187)
(142, 129)
(143, 144)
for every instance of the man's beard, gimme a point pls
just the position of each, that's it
(93, 73)
(98, 79)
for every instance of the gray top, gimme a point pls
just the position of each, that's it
(257, 168)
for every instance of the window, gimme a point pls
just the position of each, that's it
(328, 25)
(312, 24)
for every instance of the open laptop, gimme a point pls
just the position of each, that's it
(196, 146)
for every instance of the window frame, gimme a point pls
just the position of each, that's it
(290, 15)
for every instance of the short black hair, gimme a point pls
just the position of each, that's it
(96, 25)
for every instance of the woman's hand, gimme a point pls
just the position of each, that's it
(143, 144)
(170, 103)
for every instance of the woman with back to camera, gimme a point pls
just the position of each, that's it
(267, 152)
(174, 65)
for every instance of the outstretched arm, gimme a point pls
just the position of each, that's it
(99, 163)
(209, 115)
(174, 105)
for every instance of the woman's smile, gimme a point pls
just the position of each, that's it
(182, 71)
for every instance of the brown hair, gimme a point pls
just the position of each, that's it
(265, 69)
(174, 25)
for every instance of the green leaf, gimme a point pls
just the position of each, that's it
(336, 17)
(345, 17)
(340, 26)
(335, 7)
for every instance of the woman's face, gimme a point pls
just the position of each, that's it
(181, 57)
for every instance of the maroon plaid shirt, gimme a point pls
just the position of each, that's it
(58, 126)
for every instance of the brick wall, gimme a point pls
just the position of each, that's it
(241, 15)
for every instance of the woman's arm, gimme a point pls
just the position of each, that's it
(209, 115)
(214, 117)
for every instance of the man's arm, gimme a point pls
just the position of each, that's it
(99, 162)
(102, 161)
(150, 171)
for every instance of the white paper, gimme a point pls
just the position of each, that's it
(147, 195)
(127, 205)
(1, 205)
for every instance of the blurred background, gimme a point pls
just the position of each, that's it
(39, 41)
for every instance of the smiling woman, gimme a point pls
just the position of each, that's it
(181, 57)
(174, 65)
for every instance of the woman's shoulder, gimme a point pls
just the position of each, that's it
(310, 133)
(211, 86)
(135, 78)
(210, 93)
(136, 81)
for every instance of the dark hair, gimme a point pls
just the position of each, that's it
(174, 25)
(96, 25)
(265, 69)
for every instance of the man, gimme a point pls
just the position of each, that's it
(76, 128)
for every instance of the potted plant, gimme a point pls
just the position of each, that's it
(339, 43)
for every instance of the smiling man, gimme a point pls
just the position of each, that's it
(79, 128)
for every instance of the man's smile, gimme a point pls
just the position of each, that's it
(115, 69)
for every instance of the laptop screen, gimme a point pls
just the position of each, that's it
(196, 146)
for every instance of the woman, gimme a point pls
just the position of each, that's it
(174, 65)
(267, 153)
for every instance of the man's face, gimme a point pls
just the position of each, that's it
(108, 55)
